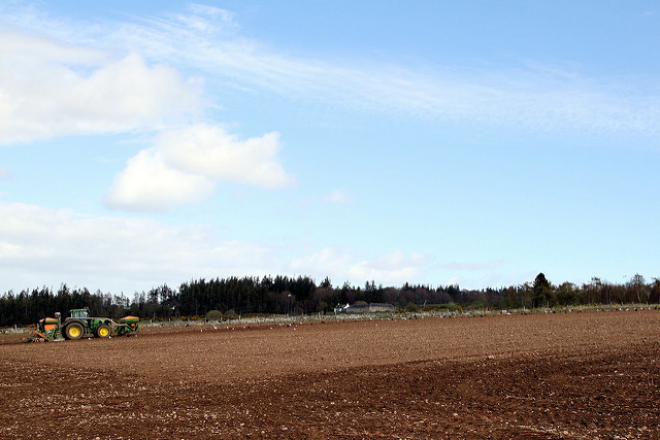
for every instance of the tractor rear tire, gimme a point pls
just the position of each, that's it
(73, 331)
(102, 331)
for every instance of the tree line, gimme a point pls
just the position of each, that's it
(302, 295)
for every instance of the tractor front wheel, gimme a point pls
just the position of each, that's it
(102, 331)
(73, 331)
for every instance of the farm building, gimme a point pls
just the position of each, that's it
(364, 308)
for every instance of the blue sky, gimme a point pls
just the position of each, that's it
(144, 143)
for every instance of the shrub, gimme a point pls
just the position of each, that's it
(214, 315)
(412, 307)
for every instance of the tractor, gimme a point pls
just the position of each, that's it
(80, 324)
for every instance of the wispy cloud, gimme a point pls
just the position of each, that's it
(208, 19)
(534, 97)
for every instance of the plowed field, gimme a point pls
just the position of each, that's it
(544, 376)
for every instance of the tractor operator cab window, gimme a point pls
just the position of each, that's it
(79, 314)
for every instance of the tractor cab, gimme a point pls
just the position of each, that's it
(80, 313)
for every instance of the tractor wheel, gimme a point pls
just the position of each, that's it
(102, 331)
(73, 331)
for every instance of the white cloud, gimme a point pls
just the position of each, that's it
(390, 268)
(472, 265)
(338, 196)
(149, 184)
(41, 246)
(210, 151)
(326, 262)
(49, 89)
(184, 165)
(5, 174)
(395, 267)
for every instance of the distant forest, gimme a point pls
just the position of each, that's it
(301, 295)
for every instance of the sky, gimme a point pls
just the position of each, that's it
(473, 143)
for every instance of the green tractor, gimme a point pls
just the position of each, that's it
(80, 324)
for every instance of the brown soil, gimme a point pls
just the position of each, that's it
(543, 376)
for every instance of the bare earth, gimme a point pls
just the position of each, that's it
(543, 376)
